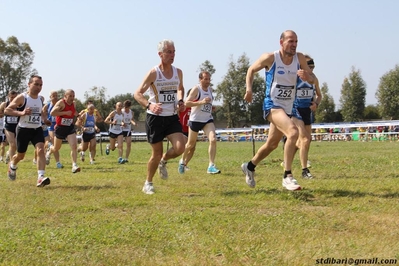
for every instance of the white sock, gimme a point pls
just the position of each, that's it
(40, 173)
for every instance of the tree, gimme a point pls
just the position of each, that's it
(138, 110)
(15, 66)
(353, 97)
(326, 110)
(232, 89)
(99, 98)
(371, 112)
(207, 66)
(388, 94)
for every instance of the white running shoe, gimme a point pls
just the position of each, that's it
(34, 161)
(162, 171)
(249, 175)
(12, 172)
(291, 184)
(75, 169)
(43, 181)
(308, 165)
(82, 156)
(148, 188)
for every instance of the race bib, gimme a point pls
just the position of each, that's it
(305, 93)
(34, 119)
(117, 127)
(89, 129)
(66, 121)
(12, 120)
(167, 96)
(283, 92)
(207, 108)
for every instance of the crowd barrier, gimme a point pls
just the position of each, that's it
(342, 131)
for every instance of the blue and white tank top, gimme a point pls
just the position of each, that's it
(50, 106)
(34, 120)
(304, 94)
(90, 122)
(117, 128)
(164, 91)
(202, 113)
(281, 81)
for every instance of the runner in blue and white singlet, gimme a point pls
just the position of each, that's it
(281, 83)
(305, 94)
(283, 69)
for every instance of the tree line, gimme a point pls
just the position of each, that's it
(16, 60)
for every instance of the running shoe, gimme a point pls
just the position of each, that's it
(181, 167)
(148, 188)
(249, 175)
(306, 174)
(213, 170)
(43, 181)
(162, 171)
(290, 183)
(12, 173)
(75, 169)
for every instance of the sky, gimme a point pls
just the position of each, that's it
(79, 44)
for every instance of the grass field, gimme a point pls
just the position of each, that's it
(100, 216)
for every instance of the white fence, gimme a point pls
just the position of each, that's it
(369, 130)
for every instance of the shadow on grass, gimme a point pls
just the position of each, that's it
(302, 195)
(339, 193)
(309, 195)
(79, 188)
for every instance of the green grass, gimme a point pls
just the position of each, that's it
(100, 216)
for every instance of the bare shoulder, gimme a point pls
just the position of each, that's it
(151, 75)
(60, 104)
(19, 100)
(300, 55)
(193, 93)
(316, 80)
(264, 61)
(179, 71)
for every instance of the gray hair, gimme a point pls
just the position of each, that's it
(162, 44)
